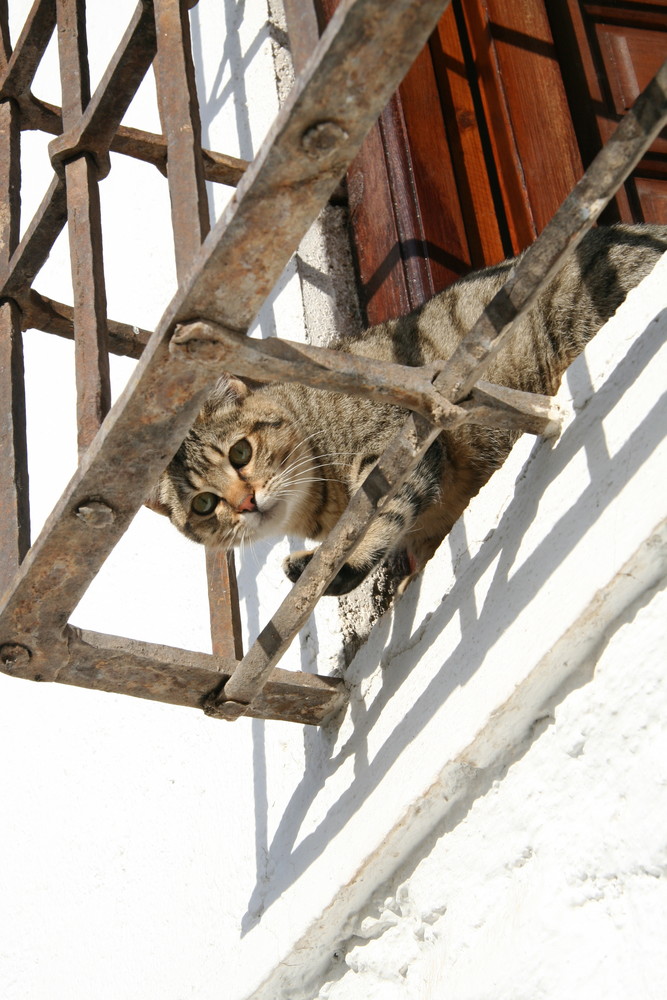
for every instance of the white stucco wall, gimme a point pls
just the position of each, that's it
(548, 880)
(150, 852)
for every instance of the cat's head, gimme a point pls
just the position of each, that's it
(244, 471)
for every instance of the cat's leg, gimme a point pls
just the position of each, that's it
(389, 531)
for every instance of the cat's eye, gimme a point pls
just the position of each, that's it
(204, 503)
(240, 453)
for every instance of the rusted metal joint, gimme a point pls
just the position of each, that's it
(95, 514)
(201, 341)
(70, 146)
(229, 710)
(323, 138)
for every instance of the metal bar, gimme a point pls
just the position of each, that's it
(493, 405)
(37, 241)
(41, 313)
(316, 134)
(19, 70)
(302, 31)
(223, 601)
(577, 214)
(509, 408)
(179, 115)
(85, 233)
(146, 146)
(174, 676)
(96, 128)
(14, 504)
(278, 360)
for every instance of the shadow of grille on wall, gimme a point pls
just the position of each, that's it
(335, 100)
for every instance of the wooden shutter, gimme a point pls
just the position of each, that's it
(608, 52)
(487, 135)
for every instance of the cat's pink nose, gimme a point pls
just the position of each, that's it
(248, 503)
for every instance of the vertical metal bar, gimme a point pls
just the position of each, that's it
(85, 233)
(179, 115)
(14, 506)
(223, 602)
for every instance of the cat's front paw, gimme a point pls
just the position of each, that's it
(295, 563)
(346, 579)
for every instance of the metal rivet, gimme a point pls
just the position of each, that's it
(14, 655)
(95, 514)
(322, 138)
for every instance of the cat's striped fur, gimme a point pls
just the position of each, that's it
(285, 459)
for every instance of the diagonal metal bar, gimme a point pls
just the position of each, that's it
(91, 354)
(39, 237)
(575, 217)
(19, 69)
(366, 49)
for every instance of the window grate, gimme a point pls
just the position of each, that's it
(312, 141)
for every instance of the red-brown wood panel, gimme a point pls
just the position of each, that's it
(536, 148)
(383, 284)
(434, 195)
(477, 182)
(608, 53)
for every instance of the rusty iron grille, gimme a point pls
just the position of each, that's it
(338, 94)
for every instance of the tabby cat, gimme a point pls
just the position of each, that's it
(275, 459)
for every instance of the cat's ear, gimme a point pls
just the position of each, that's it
(227, 390)
(154, 502)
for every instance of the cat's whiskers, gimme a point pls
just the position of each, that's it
(228, 539)
(298, 445)
(293, 486)
(312, 463)
(318, 458)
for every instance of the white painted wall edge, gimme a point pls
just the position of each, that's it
(547, 557)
